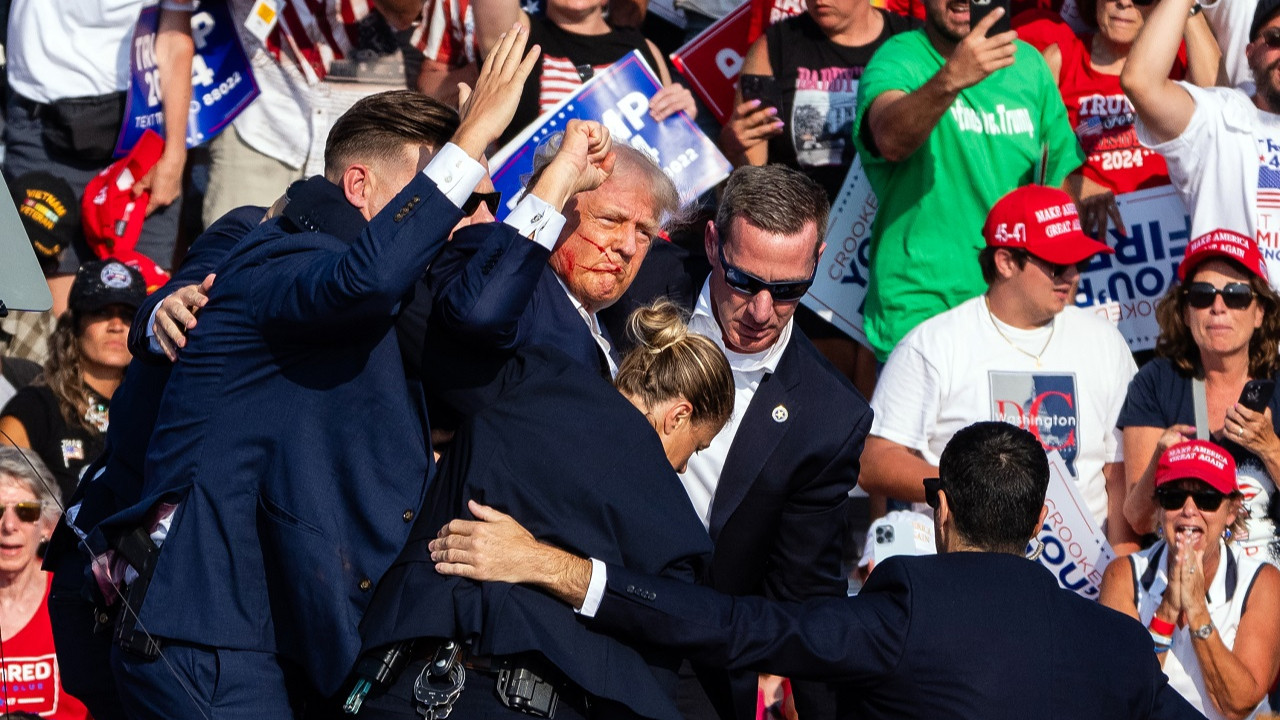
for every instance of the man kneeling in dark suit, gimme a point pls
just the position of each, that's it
(906, 646)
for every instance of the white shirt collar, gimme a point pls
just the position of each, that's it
(704, 322)
(593, 324)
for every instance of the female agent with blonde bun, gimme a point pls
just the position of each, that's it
(593, 468)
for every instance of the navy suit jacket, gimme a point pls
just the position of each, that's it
(961, 635)
(81, 654)
(290, 510)
(489, 293)
(567, 455)
(778, 516)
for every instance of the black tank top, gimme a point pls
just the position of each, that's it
(818, 82)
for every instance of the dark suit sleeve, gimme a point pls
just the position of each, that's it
(806, 557)
(1167, 703)
(205, 255)
(854, 639)
(318, 290)
(484, 281)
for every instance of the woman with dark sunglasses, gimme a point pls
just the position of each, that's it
(28, 512)
(1220, 326)
(1213, 611)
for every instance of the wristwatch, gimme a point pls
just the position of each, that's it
(1204, 631)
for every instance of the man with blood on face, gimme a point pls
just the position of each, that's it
(492, 294)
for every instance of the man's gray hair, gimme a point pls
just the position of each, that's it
(27, 470)
(775, 199)
(627, 161)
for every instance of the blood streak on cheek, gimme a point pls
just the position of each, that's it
(602, 248)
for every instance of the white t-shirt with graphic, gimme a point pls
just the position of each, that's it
(956, 369)
(1226, 167)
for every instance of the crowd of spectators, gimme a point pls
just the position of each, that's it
(999, 152)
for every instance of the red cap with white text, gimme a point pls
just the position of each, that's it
(1224, 244)
(1198, 460)
(1044, 222)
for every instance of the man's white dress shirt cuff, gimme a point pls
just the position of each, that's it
(152, 342)
(535, 219)
(595, 590)
(455, 172)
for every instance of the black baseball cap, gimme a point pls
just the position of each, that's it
(50, 214)
(100, 283)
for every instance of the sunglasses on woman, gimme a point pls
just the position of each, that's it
(1206, 500)
(1236, 295)
(744, 282)
(28, 511)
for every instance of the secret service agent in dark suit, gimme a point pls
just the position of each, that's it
(566, 452)
(113, 482)
(975, 632)
(287, 511)
(773, 487)
(492, 294)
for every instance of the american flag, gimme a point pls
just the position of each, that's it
(1268, 188)
(317, 32)
(447, 32)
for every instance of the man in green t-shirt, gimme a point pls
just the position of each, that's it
(949, 120)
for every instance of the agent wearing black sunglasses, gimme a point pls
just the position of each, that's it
(1211, 607)
(780, 471)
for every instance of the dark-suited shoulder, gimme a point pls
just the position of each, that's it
(206, 253)
(567, 455)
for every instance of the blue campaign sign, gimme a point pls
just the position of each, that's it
(618, 97)
(221, 82)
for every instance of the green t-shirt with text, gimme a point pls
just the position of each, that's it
(932, 205)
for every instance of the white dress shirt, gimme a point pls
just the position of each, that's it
(703, 474)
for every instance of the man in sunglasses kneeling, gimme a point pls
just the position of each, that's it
(1021, 353)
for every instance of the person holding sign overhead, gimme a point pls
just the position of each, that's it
(1219, 335)
(1213, 612)
(1031, 358)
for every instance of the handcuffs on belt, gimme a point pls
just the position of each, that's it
(518, 686)
(440, 682)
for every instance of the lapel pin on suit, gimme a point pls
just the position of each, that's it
(780, 414)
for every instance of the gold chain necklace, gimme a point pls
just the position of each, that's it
(996, 324)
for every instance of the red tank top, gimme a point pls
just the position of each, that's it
(30, 672)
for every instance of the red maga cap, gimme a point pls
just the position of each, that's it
(1198, 460)
(1044, 222)
(1226, 244)
(112, 216)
